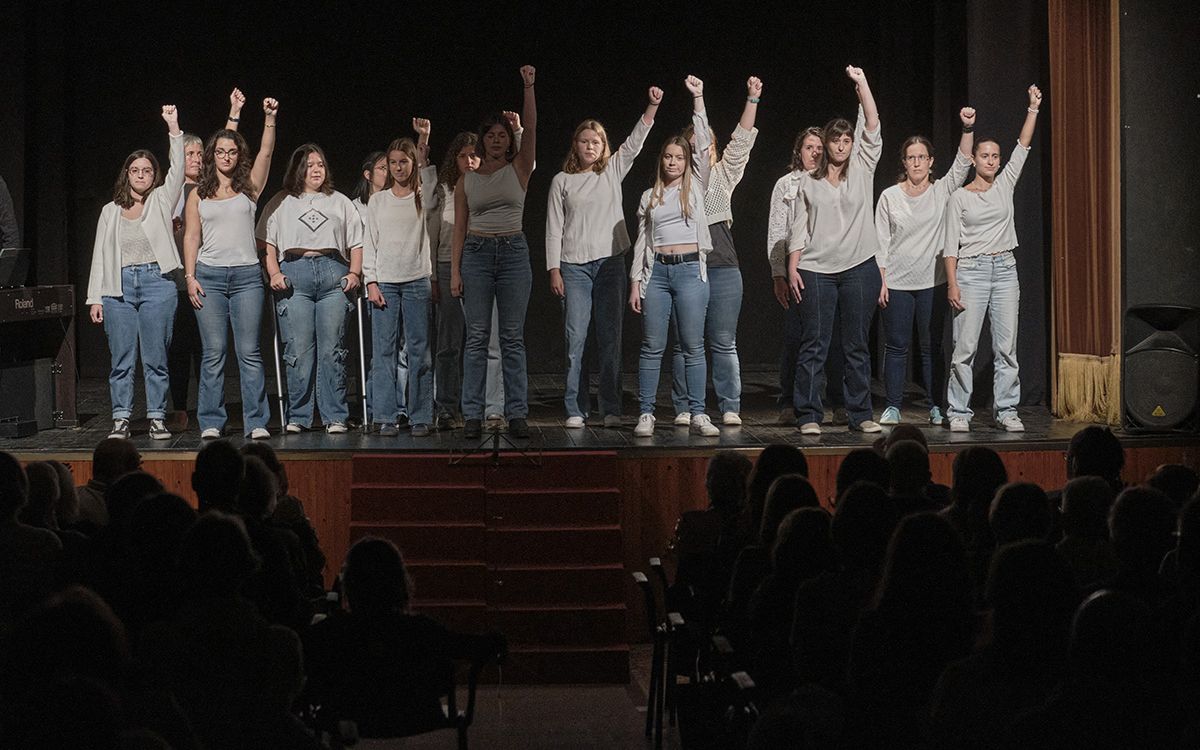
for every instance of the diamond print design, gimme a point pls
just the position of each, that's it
(313, 219)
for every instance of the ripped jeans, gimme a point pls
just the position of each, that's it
(312, 323)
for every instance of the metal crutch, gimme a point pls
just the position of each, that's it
(278, 365)
(362, 357)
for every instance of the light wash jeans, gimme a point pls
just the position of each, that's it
(448, 362)
(405, 319)
(312, 325)
(496, 278)
(234, 298)
(674, 290)
(988, 287)
(720, 331)
(596, 287)
(140, 319)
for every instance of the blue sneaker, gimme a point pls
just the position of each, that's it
(891, 415)
(935, 416)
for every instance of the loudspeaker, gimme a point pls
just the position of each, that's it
(1160, 378)
(27, 392)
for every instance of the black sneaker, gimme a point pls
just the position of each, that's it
(120, 429)
(445, 421)
(402, 421)
(518, 427)
(420, 429)
(472, 429)
(388, 430)
(158, 430)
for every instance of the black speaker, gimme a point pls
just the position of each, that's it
(27, 392)
(1160, 378)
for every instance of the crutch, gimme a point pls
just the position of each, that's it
(362, 357)
(278, 365)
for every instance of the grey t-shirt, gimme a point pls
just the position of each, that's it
(723, 254)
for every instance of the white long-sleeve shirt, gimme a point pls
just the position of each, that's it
(584, 217)
(982, 223)
(643, 250)
(910, 229)
(726, 174)
(158, 214)
(396, 243)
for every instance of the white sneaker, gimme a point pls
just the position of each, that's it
(260, 433)
(731, 418)
(293, 428)
(891, 415)
(1010, 422)
(810, 428)
(212, 433)
(612, 421)
(336, 428)
(868, 425)
(960, 424)
(702, 425)
(645, 426)
(574, 423)
(683, 420)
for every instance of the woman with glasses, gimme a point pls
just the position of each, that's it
(225, 284)
(130, 290)
(909, 223)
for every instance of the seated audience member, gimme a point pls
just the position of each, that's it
(908, 471)
(125, 492)
(41, 511)
(1142, 526)
(938, 494)
(235, 675)
(828, 606)
(1095, 451)
(1019, 511)
(705, 540)
(289, 514)
(28, 555)
(147, 587)
(1032, 597)
(803, 549)
(977, 473)
(863, 465)
(811, 717)
(789, 492)
(277, 587)
(1085, 544)
(921, 621)
(774, 461)
(112, 458)
(217, 476)
(379, 665)
(1176, 481)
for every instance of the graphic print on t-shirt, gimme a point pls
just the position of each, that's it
(313, 219)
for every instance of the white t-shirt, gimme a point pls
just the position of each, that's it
(313, 221)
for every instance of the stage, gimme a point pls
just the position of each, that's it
(540, 543)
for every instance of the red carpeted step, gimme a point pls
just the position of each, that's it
(550, 546)
(554, 507)
(533, 664)
(417, 503)
(574, 585)
(407, 468)
(598, 469)
(561, 626)
(417, 542)
(437, 580)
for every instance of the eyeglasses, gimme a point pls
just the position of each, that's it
(140, 171)
(226, 153)
(917, 158)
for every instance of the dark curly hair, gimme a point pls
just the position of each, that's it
(240, 180)
(448, 172)
(122, 192)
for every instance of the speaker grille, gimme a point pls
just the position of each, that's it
(1162, 385)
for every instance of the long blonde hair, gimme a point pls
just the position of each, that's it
(572, 165)
(413, 183)
(685, 183)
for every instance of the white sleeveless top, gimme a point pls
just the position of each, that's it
(227, 232)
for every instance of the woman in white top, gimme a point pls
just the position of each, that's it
(981, 273)
(669, 278)
(398, 266)
(724, 276)
(460, 158)
(831, 265)
(490, 262)
(314, 264)
(586, 242)
(909, 220)
(373, 176)
(130, 289)
(225, 284)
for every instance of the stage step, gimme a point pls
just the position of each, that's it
(534, 552)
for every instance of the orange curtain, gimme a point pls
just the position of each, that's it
(1086, 179)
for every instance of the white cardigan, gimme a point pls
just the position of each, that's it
(157, 216)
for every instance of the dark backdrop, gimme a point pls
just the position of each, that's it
(350, 77)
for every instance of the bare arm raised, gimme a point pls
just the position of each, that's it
(527, 155)
(262, 160)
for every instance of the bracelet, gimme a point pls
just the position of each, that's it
(698, 96)
(1032, 111)
(268, 125)
(233, 119)
(753, 99)
(968, 128)
(187, 276)
(529, 86)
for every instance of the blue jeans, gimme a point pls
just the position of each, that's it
(234, 297)
(720, 330)
(852, 296)
(140, 319)
(406, 318)
(903, 309)
(496, 271)
(448, 361)
(832, 375)
(989, 288)
(674, 290)
(312, 324)
(597, 286)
